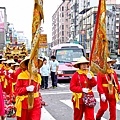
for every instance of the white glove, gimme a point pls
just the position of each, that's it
(85, 90)
(10, 71)
(30, 88)
(103, 97)
(89, 76)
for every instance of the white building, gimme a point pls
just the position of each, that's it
(60, 24)
(74, 16)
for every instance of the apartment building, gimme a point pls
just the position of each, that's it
(74, 16)
(60, 23)
(87, 24)
(78, 7)
(117, 6)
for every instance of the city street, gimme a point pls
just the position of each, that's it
(57, 39)
(60, 105)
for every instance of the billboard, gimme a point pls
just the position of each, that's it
(43, 41)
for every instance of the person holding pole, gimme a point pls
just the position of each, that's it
(22, 89)
(109, 90)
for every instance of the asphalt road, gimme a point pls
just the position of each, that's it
(60, 105)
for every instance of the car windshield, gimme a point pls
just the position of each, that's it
(68, 55)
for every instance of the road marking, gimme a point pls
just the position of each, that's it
(45, 115)
(61, 85)
(58, 92)
(55, 92)
(69, 104)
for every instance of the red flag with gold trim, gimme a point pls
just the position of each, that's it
(99, 51)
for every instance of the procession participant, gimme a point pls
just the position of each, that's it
(2, 110)
(13, 75)
(22, 89)
(14, 67)
(2, 68)
(8, 81)
(108, 88)
(82, 83)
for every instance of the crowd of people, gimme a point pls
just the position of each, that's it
(16, 87)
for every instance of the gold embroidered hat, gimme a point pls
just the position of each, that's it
(80, 61)
(23, 66)
(111, 60)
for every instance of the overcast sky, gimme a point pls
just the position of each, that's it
(19, 12)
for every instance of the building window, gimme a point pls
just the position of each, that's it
(117, 27)
(117, 21)
(62, 27)
(62, 8)
(62, 33)
(62, 39)
(117, 33)
(117, 15)
(62, 14)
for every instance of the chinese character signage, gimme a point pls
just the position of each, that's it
(43, 41)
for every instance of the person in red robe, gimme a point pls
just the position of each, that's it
(22, 89)
(2, 110)
(14, 72)
(82, 83)
(8, 79)
(2, 68)
(109, 89)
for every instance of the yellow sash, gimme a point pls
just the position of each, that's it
(5, 83)
(13, 84)
(116, 94)
(76, 97)
(2, 78)
(18, 103)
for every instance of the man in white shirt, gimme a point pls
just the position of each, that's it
(45, 72)
(54, 69)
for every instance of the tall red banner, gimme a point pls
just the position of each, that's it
(99, 51)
